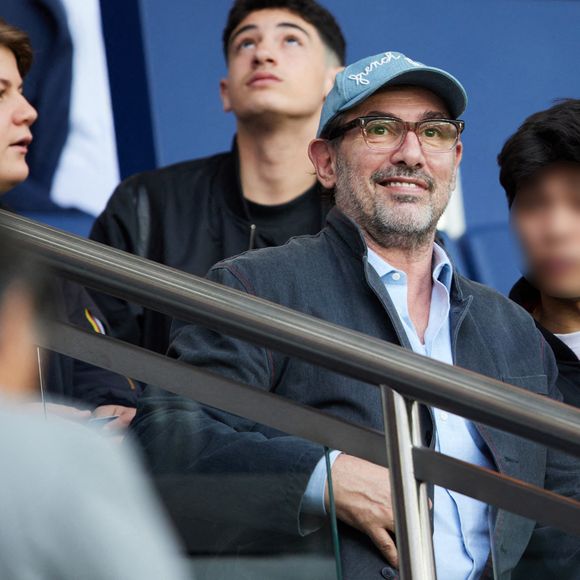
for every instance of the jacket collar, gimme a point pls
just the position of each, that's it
(562, 352)
(528, 297)
(524, 294)
(229, 184)
(352, 239)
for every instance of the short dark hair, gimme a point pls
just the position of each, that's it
(17, 42)
(547, 137)
(308, 10)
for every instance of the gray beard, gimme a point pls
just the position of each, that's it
(384, 226)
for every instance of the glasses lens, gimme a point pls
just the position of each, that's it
(437, 135)
(383, 132)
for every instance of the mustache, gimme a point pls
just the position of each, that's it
(408, 172)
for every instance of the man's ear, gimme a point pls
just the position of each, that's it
(323, 157)
(458, 156)
(225, 95)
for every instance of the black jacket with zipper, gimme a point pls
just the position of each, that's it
(188, 216)
(526, 295)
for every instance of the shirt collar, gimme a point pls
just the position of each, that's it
(442, 268)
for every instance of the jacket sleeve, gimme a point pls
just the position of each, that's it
(124, 225)
(91, 384)
(258, 474)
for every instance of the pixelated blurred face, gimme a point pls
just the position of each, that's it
(546, 217)
(277, 64)
(16, 117)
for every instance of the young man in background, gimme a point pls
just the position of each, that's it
(282, 56)
(540, 172)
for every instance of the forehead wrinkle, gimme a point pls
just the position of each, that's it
(424, 117)
(410, 93)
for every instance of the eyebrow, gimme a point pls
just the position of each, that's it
(255, 27)
(435, 115)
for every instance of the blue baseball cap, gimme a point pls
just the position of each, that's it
(361, 79)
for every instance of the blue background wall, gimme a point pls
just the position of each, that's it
(513, 56)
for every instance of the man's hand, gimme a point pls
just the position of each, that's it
(362, 496)
(125, 416)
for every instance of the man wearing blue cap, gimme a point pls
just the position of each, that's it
(388, 149)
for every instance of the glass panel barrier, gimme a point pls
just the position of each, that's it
(235, 491)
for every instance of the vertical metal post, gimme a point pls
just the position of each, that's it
(415, 554)
(423, 491)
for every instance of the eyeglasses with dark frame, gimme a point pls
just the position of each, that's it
(387, 133)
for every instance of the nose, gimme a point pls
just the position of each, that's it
(25, 113)
(409, 152)
(264, 53)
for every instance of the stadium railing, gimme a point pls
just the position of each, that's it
(405, 380)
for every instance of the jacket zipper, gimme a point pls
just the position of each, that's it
(252, 236)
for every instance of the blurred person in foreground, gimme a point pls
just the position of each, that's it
(73, 388)
(73, 504)
(540, 172)
(282, 56)
(388, 148)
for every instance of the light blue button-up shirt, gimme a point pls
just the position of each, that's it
(461, 535)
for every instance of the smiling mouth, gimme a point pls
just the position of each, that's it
(404, 180)
(409, 187)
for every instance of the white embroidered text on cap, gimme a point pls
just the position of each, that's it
(361, 79)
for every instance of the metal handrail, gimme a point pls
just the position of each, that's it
(195, 299)
(296, 419)
(368, 359)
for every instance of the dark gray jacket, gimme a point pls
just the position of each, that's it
(328, 276)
